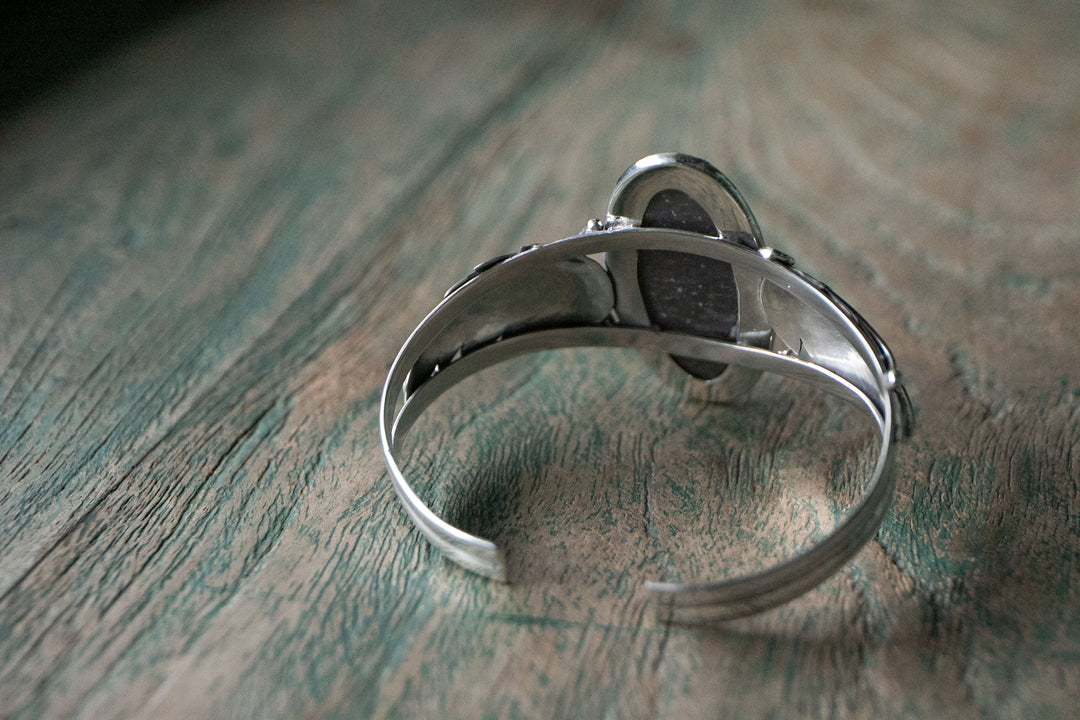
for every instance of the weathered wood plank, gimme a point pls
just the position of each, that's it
(213, 243)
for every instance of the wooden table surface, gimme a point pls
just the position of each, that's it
(214, 239)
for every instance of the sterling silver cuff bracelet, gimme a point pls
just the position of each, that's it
(678, 265)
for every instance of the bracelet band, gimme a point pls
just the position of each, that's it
(558, 296)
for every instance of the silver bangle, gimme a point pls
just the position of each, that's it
(684, 271)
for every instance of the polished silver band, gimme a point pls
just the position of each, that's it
(568, 293)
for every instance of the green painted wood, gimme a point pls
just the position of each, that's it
(212, 243)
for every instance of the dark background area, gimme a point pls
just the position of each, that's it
(42, 44)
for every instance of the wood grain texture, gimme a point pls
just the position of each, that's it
(212, 243)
